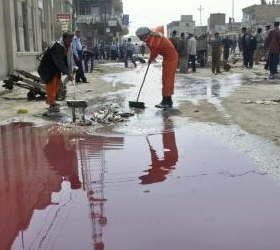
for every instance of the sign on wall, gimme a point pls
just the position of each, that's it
(63, 17)
(112, 23)
(125, 20)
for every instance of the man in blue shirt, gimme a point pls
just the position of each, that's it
(129, 49)
(78, 57)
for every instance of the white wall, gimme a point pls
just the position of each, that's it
(3, 55)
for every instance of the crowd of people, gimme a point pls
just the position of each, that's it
(123, 51)
(178, 52)
(261, 45)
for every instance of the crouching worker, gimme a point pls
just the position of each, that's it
(57, 60)
(159, 44)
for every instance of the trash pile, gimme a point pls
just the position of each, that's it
(108, 115)
(267, 102)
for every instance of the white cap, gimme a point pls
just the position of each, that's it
(142, 31)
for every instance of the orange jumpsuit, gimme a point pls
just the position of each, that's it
(53, 86)
(162, 46)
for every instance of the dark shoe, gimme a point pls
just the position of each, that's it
(54, 108)
(85, 81)
(165, 103)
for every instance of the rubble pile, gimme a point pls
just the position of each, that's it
(108, 115)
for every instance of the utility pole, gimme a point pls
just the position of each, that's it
(200, 9)
(233, 9)
(232, 15)
(105, 22)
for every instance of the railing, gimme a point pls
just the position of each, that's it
(98, 18)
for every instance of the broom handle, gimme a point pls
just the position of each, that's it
(74, 84)
(143, 81)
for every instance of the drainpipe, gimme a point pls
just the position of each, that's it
(105, 21)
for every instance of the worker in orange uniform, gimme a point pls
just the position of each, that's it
(56, 60)
(159, 44)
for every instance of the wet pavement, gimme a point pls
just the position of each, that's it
(173, 189)
(157, 180)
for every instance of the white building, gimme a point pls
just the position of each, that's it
(186, 25)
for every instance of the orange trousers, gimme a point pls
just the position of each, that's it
(169, 67)
(52, 88)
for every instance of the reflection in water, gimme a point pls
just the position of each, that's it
(62, 157)
(160, 167)
(26, 181)
(33, 165)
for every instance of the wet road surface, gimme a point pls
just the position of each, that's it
(173, 188)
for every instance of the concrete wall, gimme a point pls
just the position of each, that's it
(25, 29)
(3, 55)
(217, 19)
(180, 27)
(267, 14)
(260, 14)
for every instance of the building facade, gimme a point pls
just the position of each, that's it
(216, 22)
(26, 28)
(186, 25)
(100, 21)
(259, 15)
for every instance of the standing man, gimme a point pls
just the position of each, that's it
(216, 45)
(192, 51)
(143, 49)
(266, 33)
(174, 39)
(226, 44)
(78, 57)
(56, 60)
(183, 53)
(114, 51)
(249, 45)
(128, 53)
(273, 45)
(159, 44)
(241, 45)
(107, 51)
(259, 40)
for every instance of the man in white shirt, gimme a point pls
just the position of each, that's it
(192, 51)
(129, 50)
(78, 57)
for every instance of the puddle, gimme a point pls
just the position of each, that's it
(177, 189)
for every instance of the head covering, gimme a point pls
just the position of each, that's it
(143, 31)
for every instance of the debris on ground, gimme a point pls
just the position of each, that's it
(267, 102)
(109, 114)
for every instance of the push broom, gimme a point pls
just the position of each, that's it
(139, 105)
(73, 104)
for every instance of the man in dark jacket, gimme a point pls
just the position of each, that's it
(174, 39)
(249, 45)
(226, 44)
(183, 53)
(54, 62)
(273, 45)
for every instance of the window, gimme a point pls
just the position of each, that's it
(40, 4)
(94, 10)
(25, 27)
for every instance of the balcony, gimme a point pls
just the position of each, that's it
(93, 19)
(88, 19)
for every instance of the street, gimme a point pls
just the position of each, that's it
(201, 175)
